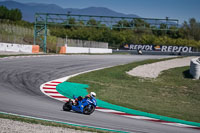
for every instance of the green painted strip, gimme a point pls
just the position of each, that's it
(60, 122)
(69, 89)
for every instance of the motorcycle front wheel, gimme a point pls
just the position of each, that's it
(89, 109)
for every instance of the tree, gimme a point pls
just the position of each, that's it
(162, 30)
(191, 30)
(184, 30)
(13, 14)
(140, 26)
(18, 15)
(173, 32)
(92, 22)
(3, 12)
(81, 23)
(70, 22)
(139, 23)
(194, 29)
(123, 23)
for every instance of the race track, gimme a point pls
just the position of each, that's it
(20, 81)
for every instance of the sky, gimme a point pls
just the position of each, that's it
(182, 10)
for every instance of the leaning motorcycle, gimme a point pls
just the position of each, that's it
(85, 106)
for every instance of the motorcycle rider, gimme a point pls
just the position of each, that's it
(139, 51)
(92, 94)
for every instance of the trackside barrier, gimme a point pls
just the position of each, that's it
(77, 50)
(2, 47)
(62, 50)
(99, 50)
(35, 48)
(84, 50)
(25, 48)
(9, 47)
(195, 68)
(12, 48)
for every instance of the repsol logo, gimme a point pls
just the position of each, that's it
(184, 49)
(161, 48)
(142, 47)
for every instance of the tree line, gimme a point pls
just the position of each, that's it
(186, 35)
(12, 14)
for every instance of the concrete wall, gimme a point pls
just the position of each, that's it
(9, 47)
(100, 50)
(195, 68)
(76, 50)
(87, 50)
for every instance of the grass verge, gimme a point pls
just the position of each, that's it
(1, 56)
(49, 123)
(173, 93)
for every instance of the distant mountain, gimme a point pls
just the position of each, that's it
(29, 9)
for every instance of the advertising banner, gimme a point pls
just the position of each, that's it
(161, 48)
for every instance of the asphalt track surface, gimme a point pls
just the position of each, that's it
(20, 81)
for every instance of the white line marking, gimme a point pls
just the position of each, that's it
(108, 111)
(178, 124)
(53, 94)
(139, 117)
(50, 90)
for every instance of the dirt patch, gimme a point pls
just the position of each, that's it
(154, 69)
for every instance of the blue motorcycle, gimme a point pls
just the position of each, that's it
(85, 106)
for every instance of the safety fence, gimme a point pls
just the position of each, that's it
(84, 43)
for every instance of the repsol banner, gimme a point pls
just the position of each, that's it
(161, 48)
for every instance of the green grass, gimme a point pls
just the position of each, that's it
(48, 123)
(172, 94)
(1, 56)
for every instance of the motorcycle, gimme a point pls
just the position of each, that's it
(85, 106)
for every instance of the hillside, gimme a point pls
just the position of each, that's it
(29, 9)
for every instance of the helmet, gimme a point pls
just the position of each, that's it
(93, 94)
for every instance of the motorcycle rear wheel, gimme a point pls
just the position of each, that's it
(67, 106)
